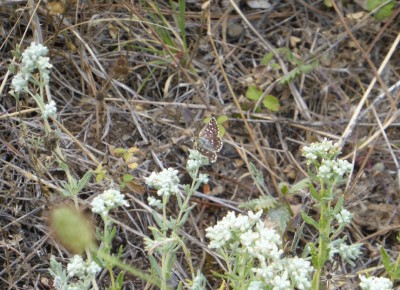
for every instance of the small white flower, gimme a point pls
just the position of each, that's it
(166, 182)
(262, 243)
(203, 178)
(256, 285)
(34, 57)
(349, 253)
(323, 149)
(114, 198)
(76, 267)
(154, 202)
(373, 283)
(344, 217)
(196, 160)
(281, 282)
(333, 169)
(20, 81)
(98, 206)
(93, 269)
(108, 200)
(231, 225)
(299, 271)
(50, 109)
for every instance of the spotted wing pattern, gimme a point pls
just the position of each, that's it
(209, 143)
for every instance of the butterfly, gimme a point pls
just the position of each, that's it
(209, 143)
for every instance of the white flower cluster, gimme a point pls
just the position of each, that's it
(262, 243)
(349, 253)
(333, 169)
(344, 217)
(373, 283)
(33, 58)
(248, 236)
(50, 109)
(229, 227)
(77, 267)
(108, 200)
(286, 273)
(196, 160)
(154, 202)
(322, 149)
(166, 182)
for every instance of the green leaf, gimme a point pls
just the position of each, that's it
(181, 21)
(314, 193)
(157, 219)
(156, 269)
(120, 151)
(253, 93)
(325, 222)
(387, 264)
(295, 188)
(256, 174)
(127, 178)
(267, 58)
(309, 220)
(100, 177)
(385, 12)
(82, 183)
(265, 202)
(339, 205)
(222, 119)
(300, 69)
(307, 68)
(271, 103)
(325, 254)
(281, 216)
(221, 131)
(120, 280)
(284, 187)
(314, 255)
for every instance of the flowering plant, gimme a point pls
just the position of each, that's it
(327, 171)
(166, 239)
(253, 255)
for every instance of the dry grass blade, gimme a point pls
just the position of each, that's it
(132, 81)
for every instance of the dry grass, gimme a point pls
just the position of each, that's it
(124, 76)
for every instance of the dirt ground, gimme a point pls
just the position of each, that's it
(141, 76)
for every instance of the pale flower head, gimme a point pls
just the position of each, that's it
(344, 217)
(153, 202)
(166, 182)
(325, 149)
(93, 269)
(20, 81)
(349, 253)
(50, 109)
(76, 267)
(196, 160)
(108, 200)
(373, 283)
(333, 169)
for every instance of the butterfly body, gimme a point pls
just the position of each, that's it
(208, 143)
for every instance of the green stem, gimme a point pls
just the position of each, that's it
(164, 273)
(185, 203)
(324, 232)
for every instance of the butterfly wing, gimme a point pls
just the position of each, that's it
(211, 155)
(209, 136)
